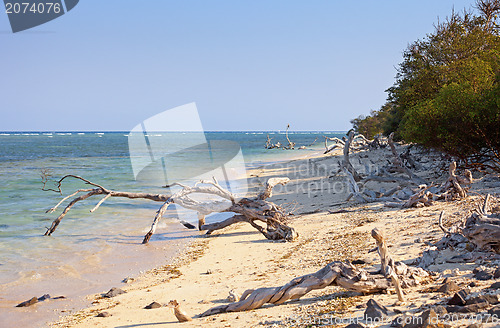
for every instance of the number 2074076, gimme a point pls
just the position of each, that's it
(34, 8)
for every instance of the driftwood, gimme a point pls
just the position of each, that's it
(247, 210)
(358, 142)
(346, 163)
(258, 209)
(291, 144)
(481, 228)
(270, 145)
(387, 265)
(398, 164)
(456, 186)
(333, 274)
(339, 143)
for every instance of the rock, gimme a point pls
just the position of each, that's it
(475, 300)
(476, 307)
(483, 273)
(153, 305)
(374, 310)
(459, 298)
(29, 302)
(440, 310)
(428, 319)
(496, 275)
(113, 292)
(128, 280)
(355, 325)
(466, 309)
(473, 284)
(492, 299)
(475, 325)
(103, 315)
(399, 322)
(59, 297)
(358, 262)
(486, 298)
(43, 298)
(495, 311)
(495, 285)
(449, 287)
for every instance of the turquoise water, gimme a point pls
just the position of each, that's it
(90, 252)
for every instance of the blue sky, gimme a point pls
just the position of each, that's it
(248, 65)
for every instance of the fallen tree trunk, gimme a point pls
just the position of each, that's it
(333, 274)
(247, 210)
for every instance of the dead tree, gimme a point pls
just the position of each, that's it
(338, 144)
(270, 145)
(346, 163)
(291, 144)
(247, 210)
(398, 164)
(456, 186)
(333, 274)
(358, 142)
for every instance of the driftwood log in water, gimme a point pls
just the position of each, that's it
(247, 210)
(333, 274)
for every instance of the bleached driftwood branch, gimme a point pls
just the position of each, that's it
(483, 228)
(399, 165)
(333, 274)
(387, 265)
(248, 210)
(291, 144)
(339, 143)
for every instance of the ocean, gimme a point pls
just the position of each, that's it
(92, 252)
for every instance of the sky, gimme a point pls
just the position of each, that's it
(248, 65)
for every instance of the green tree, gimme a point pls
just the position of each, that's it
(446, 94)
(371, 125)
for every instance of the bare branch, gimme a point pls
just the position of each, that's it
(252, 209)
(440, 222)
(100, 202)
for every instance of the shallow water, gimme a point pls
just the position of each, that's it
(91, 252)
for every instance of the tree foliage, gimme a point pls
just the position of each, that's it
(447, 91)
(374, 124)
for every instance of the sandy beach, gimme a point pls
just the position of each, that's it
(330, 229)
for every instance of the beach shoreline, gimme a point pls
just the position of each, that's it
(330, 229)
